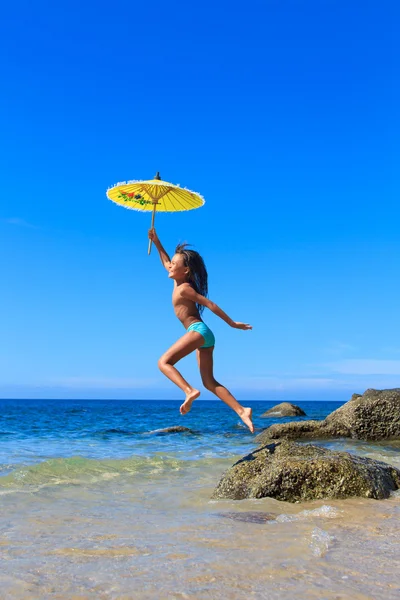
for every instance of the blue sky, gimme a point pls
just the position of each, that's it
(282, 114)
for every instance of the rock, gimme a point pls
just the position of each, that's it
(296, 472)
(372, 416)
(285, 409)
(291, 431)
(250, 516)
(174, 429)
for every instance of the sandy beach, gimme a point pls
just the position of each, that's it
(118, 524)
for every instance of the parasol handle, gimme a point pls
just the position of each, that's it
(152, 224)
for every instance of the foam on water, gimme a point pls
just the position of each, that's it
(320, 542)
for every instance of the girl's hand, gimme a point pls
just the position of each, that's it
(238, 325)
(152, 235)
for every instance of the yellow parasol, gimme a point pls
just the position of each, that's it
(154, 194)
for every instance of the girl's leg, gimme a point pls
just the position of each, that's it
(205, 361)
(184, 346)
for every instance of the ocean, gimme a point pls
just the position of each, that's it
(98, 503)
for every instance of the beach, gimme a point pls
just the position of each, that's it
(97, 502)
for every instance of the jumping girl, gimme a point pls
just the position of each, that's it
(189, 273)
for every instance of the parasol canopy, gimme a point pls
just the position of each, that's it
(154, 195)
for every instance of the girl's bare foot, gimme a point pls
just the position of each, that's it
(246, 418)
(187, 405)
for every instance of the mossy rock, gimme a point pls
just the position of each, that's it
(295, 472)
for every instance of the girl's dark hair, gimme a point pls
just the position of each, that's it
(198, 277)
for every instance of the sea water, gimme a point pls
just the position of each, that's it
(98, 502)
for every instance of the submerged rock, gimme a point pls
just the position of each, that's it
(174, 429)
(372, 416)
(248, 516)
(295, 472)
(284, 409)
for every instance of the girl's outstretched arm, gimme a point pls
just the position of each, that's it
(165, 259)
(188, 292)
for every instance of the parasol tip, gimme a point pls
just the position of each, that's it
(157, 175)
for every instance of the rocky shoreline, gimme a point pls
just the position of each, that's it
(296, 472)
(372, 416)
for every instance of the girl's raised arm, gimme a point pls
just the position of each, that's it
(188, 292)
(165, 259)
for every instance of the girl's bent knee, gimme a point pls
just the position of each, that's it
(161, 363)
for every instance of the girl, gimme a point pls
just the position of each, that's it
(189, 273)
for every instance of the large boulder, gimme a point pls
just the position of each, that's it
(284, 409)
(372, 416)
(296, 472)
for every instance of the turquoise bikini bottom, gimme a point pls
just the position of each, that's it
(200, 327)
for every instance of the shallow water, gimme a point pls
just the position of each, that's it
(94, 506)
